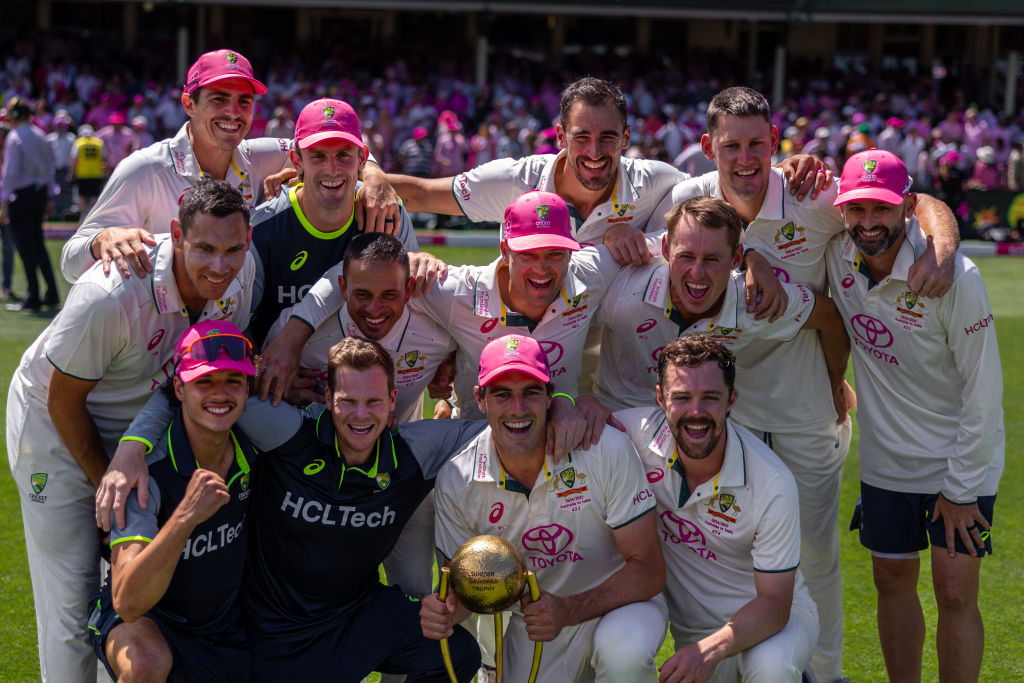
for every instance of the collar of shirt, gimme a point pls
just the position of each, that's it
(184, 162)
(392, 341)
(487, 467)
(166, 296)
(911, 248)
(773, 206)
(624, 195)
(734, 465)
(385, 456)
(658, 295)
(487, 301)
(179, 450)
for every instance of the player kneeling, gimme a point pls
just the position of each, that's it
(168, 607)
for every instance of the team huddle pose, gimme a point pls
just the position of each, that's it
(647, 387)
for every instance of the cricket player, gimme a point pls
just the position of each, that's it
(83, 380)
(304, 231)
(141, 197)
(697, 292)
(930, 390)
(335, 489)
(729, 525)
(169, 608)
(377, 287)
(585, 525)
(793, 407)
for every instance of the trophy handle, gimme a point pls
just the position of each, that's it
(446, 655)
(531, 580)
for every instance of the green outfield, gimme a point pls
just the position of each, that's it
(1002, 579)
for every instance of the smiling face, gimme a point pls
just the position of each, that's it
(220, 113)
(700, 260)
(375, 293)
(742, 148)
(594, 138)
(876, 227)
(212, 402)
(208, 255)
(360, 405)
(329, 170)
(535, 278)
(696, 402)
(516, 406)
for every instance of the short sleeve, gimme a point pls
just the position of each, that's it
(139, 524)
(88, 334)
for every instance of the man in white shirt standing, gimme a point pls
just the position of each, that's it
(930, 389)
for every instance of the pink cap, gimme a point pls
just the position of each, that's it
(327, 119)
(192, 361)
(874, 174)
(895, 122)
(221, 65)
(116, 117)
(513, 353)
(538, 220)
(419, 132)
(859, 117)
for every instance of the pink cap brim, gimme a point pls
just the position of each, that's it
(191, 370)
(871, 193)
(514, 366)
(311, 140)
(542, 241)
(257, 87)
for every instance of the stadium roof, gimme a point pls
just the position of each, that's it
(791, 11)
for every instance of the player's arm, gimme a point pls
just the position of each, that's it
(377, 202)
(66, 403)
(835, 344)
(433, 195)
(761, 618)
(805, 173)
(932, 273)
(437, 617)
(642, 577)
(765, 296)
(141, 571)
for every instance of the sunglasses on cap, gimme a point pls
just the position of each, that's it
(209, 348)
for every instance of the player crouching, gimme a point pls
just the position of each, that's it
(168, 607)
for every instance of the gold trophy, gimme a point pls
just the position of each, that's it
(488, 574)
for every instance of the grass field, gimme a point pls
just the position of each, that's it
(1002, 578)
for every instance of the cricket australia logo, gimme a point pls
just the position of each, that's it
(542, 212)
(38, 482)
(328, 112)
(789, 234)
(411, 358)
(383, 480)
(231, 57)
(568, 476)
(870, 165)
(511, 344)
(726, 501)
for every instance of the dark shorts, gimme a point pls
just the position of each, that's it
(382, 634)
(898, 523)
(90, 187)
(222, 657)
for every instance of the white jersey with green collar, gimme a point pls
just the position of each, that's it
(121, 334)
(717, 537)
(637, 320)
(469, 305)
(416, 345)
(145, 189)
(928, 375)
(562, 524)
(484, 192)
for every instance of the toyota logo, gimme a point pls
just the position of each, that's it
(552, 351)
(871, 330)
(780, 274)
(550, 539)
(683, 529)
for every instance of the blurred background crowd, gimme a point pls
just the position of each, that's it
(423, 114)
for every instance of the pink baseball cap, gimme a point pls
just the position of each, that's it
(210, 346)
(221, 65)
(538, 220)
(874, 174)
(419, 132)
(512, 353)
(327, 119)
(116, 117)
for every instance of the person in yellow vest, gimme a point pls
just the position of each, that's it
(89, 165)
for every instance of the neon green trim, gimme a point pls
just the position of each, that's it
(293, 197)
(145, 442)
(126, 539)
(243, 464)
(170, 448)
(571, 399)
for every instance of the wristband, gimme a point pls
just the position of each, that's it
(571, 400)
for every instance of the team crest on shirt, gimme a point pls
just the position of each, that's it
(38, 482)
(410, 358)
(384, 480)
(910, 309)
(226, 306)
(724, 510)
(725, 334)
(575, 495)
(243, 483)
(568, 476)
(789, 236)
(407, 367)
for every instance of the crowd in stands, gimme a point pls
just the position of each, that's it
(423, 114)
